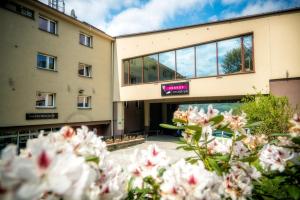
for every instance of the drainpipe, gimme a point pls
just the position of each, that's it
(112, 87)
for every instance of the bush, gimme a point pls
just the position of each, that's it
(273, 112)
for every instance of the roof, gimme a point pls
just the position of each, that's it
(286, 11)
(85, 24)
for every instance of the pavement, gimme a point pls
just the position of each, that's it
(164, 142)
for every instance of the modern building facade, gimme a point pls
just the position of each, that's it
(58, 70)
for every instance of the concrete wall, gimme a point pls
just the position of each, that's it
(20, 79)
(276, 52)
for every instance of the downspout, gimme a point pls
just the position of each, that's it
(112, 87)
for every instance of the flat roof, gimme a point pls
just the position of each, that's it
(246, 17)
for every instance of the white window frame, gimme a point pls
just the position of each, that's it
(85, 97)
(47, 62)
(47, 99)
(85, 43)
(48, 24)
(85, 70)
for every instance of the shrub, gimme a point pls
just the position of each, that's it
(273, 112)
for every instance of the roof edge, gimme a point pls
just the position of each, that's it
(285, 11)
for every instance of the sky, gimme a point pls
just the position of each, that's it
(119, 17)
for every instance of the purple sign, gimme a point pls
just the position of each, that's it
(175, 89)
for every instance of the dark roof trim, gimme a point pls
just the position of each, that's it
(286, 11)
(71, 18)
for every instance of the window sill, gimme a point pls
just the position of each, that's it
(51, 70)
(85, 76)
(91, 47)
(82, 108)
(45, 107)
(55, 34)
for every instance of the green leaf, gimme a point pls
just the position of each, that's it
(179, 121)
(294, 191)
(222, 158)
(197, 136)
(217, 119)
(195, 128)
(254, 124)
(249, 159)
(92, 159)
(213, 163)
(208, 141)
(240, 137)
(168, 126)
(296, 140)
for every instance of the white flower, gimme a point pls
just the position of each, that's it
(237, 182)
(240, 150)
(274, 158)
(236, 122)
(219, 145)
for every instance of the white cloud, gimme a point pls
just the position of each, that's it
(213, 18)
(258, 7)
(227, 2)
(151, 16)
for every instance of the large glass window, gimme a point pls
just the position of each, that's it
(206, 60)
(85, 70)
(247, 40)
(167, 66)
(229, 56)
(84, 101)
(126, 72)
(185, 60)
(136, 70)
(47, 25)
(150, 68)
(85, 39)
(46, 62)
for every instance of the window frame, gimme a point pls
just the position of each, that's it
(47, 62)
(84, 69)
(242, 71)
(85, 40)
(85, 97)
(47, 100)
(23, 9)
(49, 25)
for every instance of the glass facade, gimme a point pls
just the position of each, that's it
(150, 68)
(222, 57)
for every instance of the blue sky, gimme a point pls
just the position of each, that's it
(117, 17)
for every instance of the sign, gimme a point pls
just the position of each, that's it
(175, 89)
(33, 116)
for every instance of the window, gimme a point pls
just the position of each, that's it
(206, 60)
(46, 62)
(167, 66)
(126, 72)
(136, 70)
(85, 70)
(229, 56)
(47, 25)
(150, 68)
(84, 102)
(218, 58)
(45, 100)
(185, 60)
(85, 40)
(19, 9)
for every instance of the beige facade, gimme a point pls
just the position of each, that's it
(21, 79)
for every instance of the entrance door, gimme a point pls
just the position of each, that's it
(155, 116)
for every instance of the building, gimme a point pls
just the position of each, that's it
(55, 70)
(58, 70)
(213, 62)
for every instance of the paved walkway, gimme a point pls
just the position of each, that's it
(165, 142)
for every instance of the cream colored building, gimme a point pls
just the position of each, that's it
(57, 70)
(33, 37)
(273, 41)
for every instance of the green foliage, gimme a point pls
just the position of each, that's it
(232, 61)
(272, 112)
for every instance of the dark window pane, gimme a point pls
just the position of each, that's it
(88, 70)
(43, 24)
(185, 60)
(229, 56)
(81, 70)
(167, 65)
(51, 63)
(136, 70)
(42, 61)
(82, 39)
(150, 68)
(80, 102)
(126, 71)
(41, 99)
(248, 53)
(88, 41)
(206, 60)
(52, 27)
